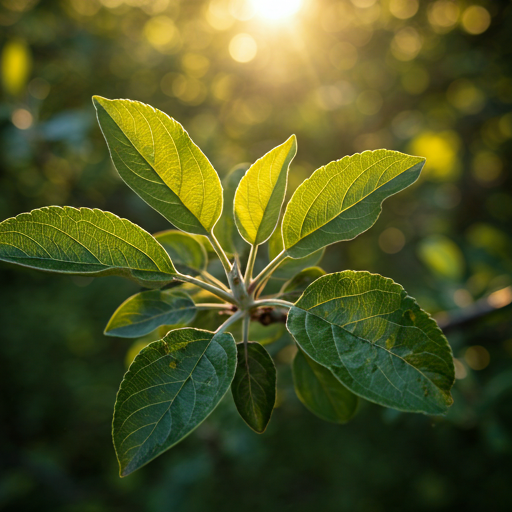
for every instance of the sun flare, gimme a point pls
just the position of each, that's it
(276, 9)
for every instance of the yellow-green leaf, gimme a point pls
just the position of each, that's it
(84, 242)
(158, 160)
(344, 198)
(289, 267)
(260, 194)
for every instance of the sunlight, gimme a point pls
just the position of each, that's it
(276, 9)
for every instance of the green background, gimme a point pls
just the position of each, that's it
(344, 76)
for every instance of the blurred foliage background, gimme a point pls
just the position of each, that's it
(433, 78)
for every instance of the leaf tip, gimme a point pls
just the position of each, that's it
(98, 100)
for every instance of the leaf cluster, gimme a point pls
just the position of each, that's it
(358, 335)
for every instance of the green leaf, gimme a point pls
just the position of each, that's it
(293, 288)
(188, 254)
(290, 267)
(376, 340)
(254, 385)
(144, 312)
(170, 388)
(226, 232)
(267, 334)
(261, 192)
(321, 392)
(158, 160)
(344, 198)
(84, 242)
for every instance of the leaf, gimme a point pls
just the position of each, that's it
(84, 242)
(376, 340)
(321, 392)
(144, 312)
(344, 198)
(290, 267)
(254, 385)
(293, 288)
(267, 334)
(226, 232)
(158, 160)
(260, 194)
(170, 388)
(188, 254)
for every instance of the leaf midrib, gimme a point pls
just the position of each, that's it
(153, 168)
(171, 401)
(149, 318)
(343, 210)
(392, 354)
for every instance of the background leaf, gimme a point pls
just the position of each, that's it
(293, 288)
(342, 199)
(321, 392)
(254, 385)
(188, 254)
(260, 194)
(226, 231)
(158, 160)
(144, 312)
(85, 242)
(170, 388)
(376, 340)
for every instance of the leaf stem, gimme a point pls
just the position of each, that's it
(268, 270)
(228, 297)
(220, 252)
(213, 280)
(272, 302)
(245, 334)
(213, 305)
(250, 265)
(231, 320)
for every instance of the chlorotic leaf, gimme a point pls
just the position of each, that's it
(254, 385)
(158, 160)
(144, 312)
(321, 392)
(169, 389)
(84, 242)
(376, 340)
(344, 198)
(293, 288)
(225, 230)
(188, 254)
(260, 194)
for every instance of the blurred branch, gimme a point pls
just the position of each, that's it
(447, 320)
(482, 307)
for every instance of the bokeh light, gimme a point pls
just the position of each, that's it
(476, 19)
(276, 9)
(243, 48)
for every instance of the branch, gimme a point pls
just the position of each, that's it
(495, 301)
